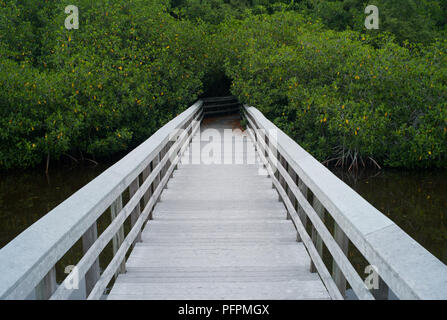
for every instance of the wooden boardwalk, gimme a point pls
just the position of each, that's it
(219, 232)
(223, 214)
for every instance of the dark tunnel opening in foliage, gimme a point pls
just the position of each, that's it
(216, 84)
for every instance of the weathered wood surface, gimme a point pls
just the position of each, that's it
(219, 232)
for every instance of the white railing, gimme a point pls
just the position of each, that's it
(313, 195)
(28, 262)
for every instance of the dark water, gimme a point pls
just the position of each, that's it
(26, 196)
(415, 201)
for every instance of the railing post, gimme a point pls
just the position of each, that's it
(343, 241)
(254, 135)
(157, 179)
(382, 292)
(277, 175)
(173, 154)
(165, 166)
(304, 190)
(267, 148)
(47, 286)
(133, 188)
(93, 274)
(118, 239)
(290, 194)
(146, 172)
(282, 180)
(297, 206)
(168, 163)
(147, 196)
(319, 209)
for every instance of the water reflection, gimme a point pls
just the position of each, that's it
(26, 196)
(415, 201)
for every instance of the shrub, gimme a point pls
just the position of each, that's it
(339, 97)
(128, 70)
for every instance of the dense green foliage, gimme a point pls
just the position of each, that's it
(99, 89)
(338, 96)
(414, 20)
(339, 90)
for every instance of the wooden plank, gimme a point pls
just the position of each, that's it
(316, 239)
(146, 172)
(218, 99)
(237, 228)
(296, 204)
(219, 215)
(133, 188)
(220, 290)
(222, 105)
(93, 274)
(382, 292)
(254, 195)
(163, 167)
(176, 274)
(290, 194)
(343, 241)
(118, 238)
(280, 178)
(47, 286)
(304, 191)
(158, 178)
(221, 111)
(218, 255)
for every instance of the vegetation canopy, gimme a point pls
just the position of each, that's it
(348, 95)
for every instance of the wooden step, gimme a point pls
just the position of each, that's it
(212, 232)
(223, 194)
(219, 255)
(138, 289)
(219, 215)
(209, 205)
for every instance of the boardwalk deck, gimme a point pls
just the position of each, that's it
(219, 232)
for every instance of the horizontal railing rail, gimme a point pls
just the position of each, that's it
(311, 193)
(218, 99)
(28, 262)
(221, 105)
